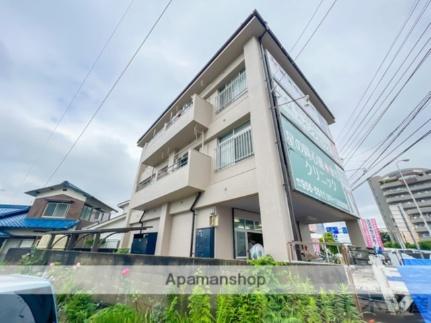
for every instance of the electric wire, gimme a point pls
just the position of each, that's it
(111, 89)
(395, 158)
(306, 25)
(351, 137)
(402, 126)
(315, 30)
(374, 124)
(352, 117)
(80, 87)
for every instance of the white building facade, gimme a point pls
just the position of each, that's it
(243, 155)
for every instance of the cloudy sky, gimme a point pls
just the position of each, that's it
(47, 47)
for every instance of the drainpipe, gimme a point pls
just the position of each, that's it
(281, 151)
(192, 209)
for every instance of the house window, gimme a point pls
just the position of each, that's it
(231, 91)
(234, 146)
(86, 212)
(56, 210)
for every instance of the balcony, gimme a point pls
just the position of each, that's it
(187, 176)
(178, 131)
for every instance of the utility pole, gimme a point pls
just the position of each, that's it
(411, 195)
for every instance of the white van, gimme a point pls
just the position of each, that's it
(26, 299)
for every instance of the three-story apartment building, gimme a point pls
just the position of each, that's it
(242, 155)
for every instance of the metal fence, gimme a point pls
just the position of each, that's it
(231, 91)
(164, 171)
(234, 149)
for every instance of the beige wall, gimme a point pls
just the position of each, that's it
(180, 235)
(276, 224)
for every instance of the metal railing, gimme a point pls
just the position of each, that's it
(231, 91)
(162, 172)
(179, 114)
(234, 149)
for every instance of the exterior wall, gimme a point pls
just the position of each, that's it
(391, 194)
(180, 235)
(258, 175)
(74, 211)
(67, 192)
(276, 224)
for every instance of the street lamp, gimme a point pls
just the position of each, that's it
(411, 195)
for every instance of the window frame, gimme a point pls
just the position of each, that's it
(55, 209)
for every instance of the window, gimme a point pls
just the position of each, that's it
(234, 146)
(231, 91)
(182, 160)
(86, 212)
(56, 210)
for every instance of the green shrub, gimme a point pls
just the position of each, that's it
(122, 251)
(78, 307)
(199, 306)
(118, 313)
(425, 245)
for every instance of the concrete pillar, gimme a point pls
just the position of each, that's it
(126, 240)
(276, 224)
(96, 243)
(305, 232)
(224, 233)
(355, 233)
(164, 232)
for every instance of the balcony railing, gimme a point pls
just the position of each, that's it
(231, 92)
(189, 174)
(234, 149)
(162, 172)
(178, 131)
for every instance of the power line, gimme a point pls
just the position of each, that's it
(396, 157)
(111, 89)
(394, 149)
(306, 26)
(315, 30)
(81, 85)
(373, 126)
(351, 150)
(351, 137)
(352, 118)
(402, 126)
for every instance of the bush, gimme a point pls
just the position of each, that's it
(79, 307)
(122, 251)
(425, 245)
(117, 313)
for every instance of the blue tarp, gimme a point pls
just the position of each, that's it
(416, 274)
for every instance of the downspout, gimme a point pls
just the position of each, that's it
(192, 209)
(281, 151)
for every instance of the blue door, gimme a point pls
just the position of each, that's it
(144, 243)
(205, 243)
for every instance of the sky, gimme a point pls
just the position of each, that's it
(47, 47)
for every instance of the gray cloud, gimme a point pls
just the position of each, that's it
(51, 45)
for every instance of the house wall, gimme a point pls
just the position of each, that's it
(40, 203)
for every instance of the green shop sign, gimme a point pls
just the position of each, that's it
(313, 172)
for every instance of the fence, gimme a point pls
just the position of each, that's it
(231, 91)
(234, 149)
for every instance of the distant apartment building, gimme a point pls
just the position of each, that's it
(401, 216)
(62, 206)
(243, 155)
